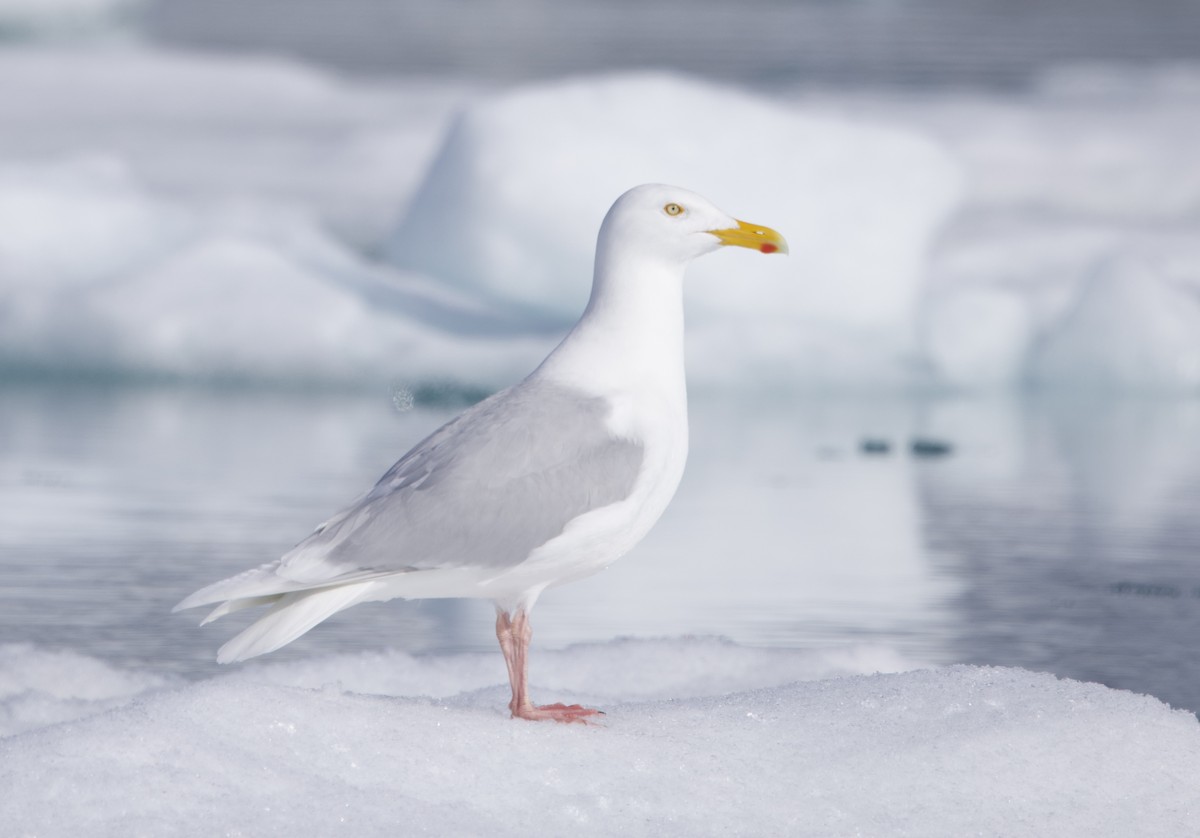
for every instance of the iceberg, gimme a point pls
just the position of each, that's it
(510, 207)
(1130, 329)
(101, 275)
(1074, 260)
(944, 243)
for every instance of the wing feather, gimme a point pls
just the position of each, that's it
(484, 490)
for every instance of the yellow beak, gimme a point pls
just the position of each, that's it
(752, 236)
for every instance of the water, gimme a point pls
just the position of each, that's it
(1058, 535)
(1081, 555)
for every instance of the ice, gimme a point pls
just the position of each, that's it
(946, 242)
(1091, 174)
(151, 286)
(1017, 304)
(204, 127)
(510, 208)
(201, 314)
(92, 202)
(700, 737)
(1129, 330)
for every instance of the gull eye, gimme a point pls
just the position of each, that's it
(673, 209)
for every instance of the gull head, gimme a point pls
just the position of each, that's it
(674, 225)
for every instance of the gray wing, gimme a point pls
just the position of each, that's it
(485, 490)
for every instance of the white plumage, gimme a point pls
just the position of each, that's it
(545, 482)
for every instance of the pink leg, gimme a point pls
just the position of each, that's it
(514, 633)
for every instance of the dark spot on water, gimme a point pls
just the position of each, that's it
(925, 447)
(1152, 589)
(875, 446)
(447, 394)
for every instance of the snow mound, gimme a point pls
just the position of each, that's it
(40, 688)
(511, 206)
(958, 751)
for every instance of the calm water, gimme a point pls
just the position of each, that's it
(1055, 534)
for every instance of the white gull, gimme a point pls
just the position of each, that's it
(540, 484)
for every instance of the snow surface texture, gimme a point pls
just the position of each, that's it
(700, 738)
(965, 242)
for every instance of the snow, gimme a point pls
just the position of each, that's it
(700, 737)
(40, 688)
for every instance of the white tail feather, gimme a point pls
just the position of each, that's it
(231, 605)
(292, 615)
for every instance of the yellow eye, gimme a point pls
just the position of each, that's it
(673, 209)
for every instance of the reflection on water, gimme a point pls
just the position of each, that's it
(1079, 548)
(1053, 534)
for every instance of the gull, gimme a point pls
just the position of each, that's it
(543, 483)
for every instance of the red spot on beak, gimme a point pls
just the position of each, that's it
(767, 247)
